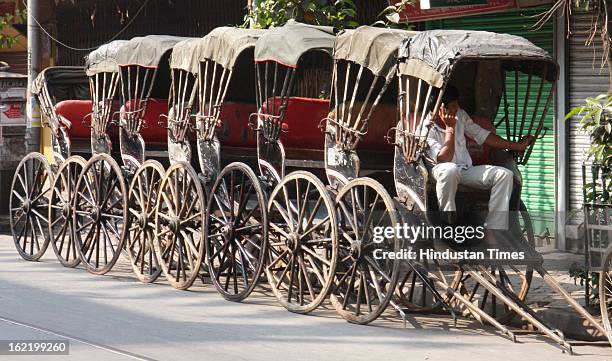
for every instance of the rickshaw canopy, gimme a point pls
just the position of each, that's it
(104, 59)
(63, 83)
(223, 45)
(146, 51)
(432, 55)
(371, 47)
(286, 45)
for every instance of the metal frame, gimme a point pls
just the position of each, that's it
(183, 90)
(272, 97)
(59, 137)
(346, 126)
(103, 87)
(135, 93)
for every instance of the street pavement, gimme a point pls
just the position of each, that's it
(114, 317)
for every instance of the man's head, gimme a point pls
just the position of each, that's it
(450, 99)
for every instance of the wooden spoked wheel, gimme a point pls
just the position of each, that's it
(516, 279)
(61, 229)
(303, 244)
(179, 225)
(605, 293)
(28, 206)
(236, 229)
(365, 279)
(100, 214)
(140, 226)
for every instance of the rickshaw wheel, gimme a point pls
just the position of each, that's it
(29, 201)
(141, 221)
(179, 221)
(516, 279)
(100, 211)
(61, 229)
(303, 243)
(364, 284)
(236, 230)
(605, 293)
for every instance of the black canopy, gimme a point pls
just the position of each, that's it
(432, 55)
(63, 83)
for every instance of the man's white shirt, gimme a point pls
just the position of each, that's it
(465, 126)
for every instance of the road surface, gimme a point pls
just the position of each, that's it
(114, 317)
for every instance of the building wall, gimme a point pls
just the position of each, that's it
(585, 78)
(87, 24)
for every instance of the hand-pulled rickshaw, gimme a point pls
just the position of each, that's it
(103, 208)
(41, 192)
(293, 68)
(479, 63)
(209, 96)
(364, 96)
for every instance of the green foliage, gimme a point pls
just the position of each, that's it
(272, 13)
(580, 276)
(8, 20)
(596, 120)
(392, 15)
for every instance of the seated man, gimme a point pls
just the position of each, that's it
(453, 164)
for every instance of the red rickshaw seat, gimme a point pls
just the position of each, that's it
(151, 131)
(75, 112)
(303, 116)
(481, 154)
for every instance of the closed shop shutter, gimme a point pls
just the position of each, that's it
(586, 79)
(18, 61)
(539, 174)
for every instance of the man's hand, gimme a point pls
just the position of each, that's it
(448, 118)
(524, 143)
(495, 141)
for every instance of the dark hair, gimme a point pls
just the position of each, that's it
(450, 94)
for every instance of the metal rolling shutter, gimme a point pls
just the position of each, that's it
(18, 61)
(585, 80)
(539, 173)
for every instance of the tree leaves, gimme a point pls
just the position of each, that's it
(596, 120)
(340, 14)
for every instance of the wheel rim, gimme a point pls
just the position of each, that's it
(61, 229)
(605, 293)
(236, 232)
(141, 221)
(100, 211)
(29, 202)
(516, 279)
(179, 219)
(364, 284)
(303, 245)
